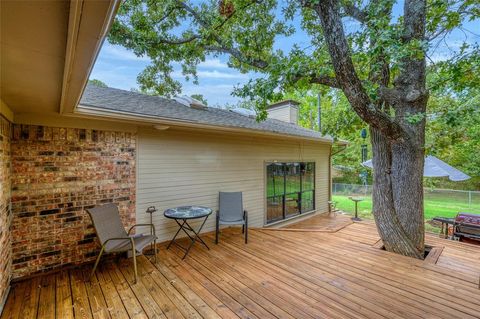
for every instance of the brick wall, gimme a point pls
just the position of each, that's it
(56, 174)
(5, 214)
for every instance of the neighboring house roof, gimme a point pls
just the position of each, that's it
(138, 104)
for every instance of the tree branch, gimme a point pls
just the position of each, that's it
(432, 36)
(222, 47)
(176, 41)
(355, 12)
(411, 80)
(326, 80)
(237, 54)
(346, 75)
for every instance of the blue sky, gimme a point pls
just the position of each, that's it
(118, 67)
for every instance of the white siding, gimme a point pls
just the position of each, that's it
(286, 113)
(280, 113)
(182, 168)
(293, 115)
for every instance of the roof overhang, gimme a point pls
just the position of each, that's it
(48, 50)
(150, 120)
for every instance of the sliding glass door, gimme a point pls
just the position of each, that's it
(290, 189)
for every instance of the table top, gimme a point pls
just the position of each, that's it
(187, 212)
(444, 220)
(355, 199)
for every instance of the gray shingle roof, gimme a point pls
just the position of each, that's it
(155, 106)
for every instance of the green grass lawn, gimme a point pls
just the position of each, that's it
(434, 206)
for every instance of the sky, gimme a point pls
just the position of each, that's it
(118, 67)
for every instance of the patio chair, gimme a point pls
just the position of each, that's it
(231, 212)
(114, 238)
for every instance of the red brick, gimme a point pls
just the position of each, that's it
(5, 213)
(58, 172)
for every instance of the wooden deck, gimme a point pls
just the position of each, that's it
(321, 223)
(278, 274)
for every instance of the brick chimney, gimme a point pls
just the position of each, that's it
(286, 111)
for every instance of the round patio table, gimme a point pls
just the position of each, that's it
(182, 215)
(356, 200)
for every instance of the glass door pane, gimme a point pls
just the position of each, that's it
(275, 191)
(308, 176)
(274, 208)
(292, 205)
(307, 201)
(292, 189)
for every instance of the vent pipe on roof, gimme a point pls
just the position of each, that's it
(190, 102)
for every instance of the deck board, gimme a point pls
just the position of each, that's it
(338, 273)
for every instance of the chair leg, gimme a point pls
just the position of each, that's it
(96, 262)
(155, 250)
(135, 265)
(246, 230)
(134, 255)
(217, 230)
(243, 229)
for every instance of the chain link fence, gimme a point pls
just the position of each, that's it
(437, 202)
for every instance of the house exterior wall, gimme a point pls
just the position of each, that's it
(5, 214)
(180, 168)
(56, 174)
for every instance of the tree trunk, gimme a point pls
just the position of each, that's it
(398, 141)
(398, 195)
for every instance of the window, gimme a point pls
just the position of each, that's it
(290, 189)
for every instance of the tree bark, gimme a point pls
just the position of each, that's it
(397, 143)
(398, 196)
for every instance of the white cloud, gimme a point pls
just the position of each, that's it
(213, 63)
(115, 77)
(110, 51)
(216, 94)
(221, 75)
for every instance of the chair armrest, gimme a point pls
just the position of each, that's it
(131, 239)
(152, 227)
(117, 238)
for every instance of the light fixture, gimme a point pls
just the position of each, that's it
(161, 127)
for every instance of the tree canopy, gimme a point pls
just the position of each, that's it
(373, 51)
(98, 83)
(189, 31)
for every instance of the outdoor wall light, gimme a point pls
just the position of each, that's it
(161, 127)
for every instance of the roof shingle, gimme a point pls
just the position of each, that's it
(156, 106)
